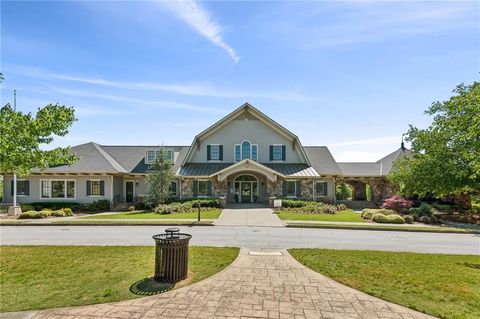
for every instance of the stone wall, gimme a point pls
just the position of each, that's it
(307, 189)
(186, 188)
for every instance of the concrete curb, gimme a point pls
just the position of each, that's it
(330, 226)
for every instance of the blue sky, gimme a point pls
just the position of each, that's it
(350, 75)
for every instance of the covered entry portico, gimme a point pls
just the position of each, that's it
(248, 182)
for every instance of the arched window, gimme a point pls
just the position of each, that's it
(246, 150)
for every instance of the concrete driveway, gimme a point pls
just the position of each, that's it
(249, 217)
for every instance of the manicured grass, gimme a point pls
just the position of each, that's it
(39, 277)
(446, 286)
(341, 216)
(210, 214)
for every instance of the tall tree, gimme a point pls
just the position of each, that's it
(445, 157)
(160, 177)
(23, 135)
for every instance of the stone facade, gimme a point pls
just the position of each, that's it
(186, 188)
(307, 189)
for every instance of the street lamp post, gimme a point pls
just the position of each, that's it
(14, 210)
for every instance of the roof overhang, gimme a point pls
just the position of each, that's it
(248, 166)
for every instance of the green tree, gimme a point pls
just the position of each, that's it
(343, 191)
(445, 157)
(159, 179)
(23, 135)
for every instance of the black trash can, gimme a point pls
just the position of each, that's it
(171, 255)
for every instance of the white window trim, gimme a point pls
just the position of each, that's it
(171, 151)
(217, 160)
(280, 160)
(241, 151)
(50, 188)
(22, 180)
(96, 180)
(295, 193)
(315, 189)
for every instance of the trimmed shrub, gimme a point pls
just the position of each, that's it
(341, 207)
(379, 218)
(408, 219)
(444, 208)
(55, 205)
(423, 210)
(429, 219)
(398, 204)
(131, 208)
(58, 213)
(204, 202)
(68, 211)
(102, 205)
(32, 215)
(368, 213)
(27, 207)
(389, 219)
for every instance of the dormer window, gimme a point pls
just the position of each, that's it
(246, 150)
(153, 154)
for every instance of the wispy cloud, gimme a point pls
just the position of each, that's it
(192, 13)
(137, 102)
(188, 89)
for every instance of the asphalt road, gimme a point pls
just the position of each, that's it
(250, 237)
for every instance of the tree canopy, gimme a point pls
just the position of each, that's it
(23, 135)
(445, 158)
(159, 179)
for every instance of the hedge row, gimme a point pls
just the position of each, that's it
(46, 212)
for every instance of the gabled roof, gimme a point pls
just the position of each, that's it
(387, 161)
(382, 167)
(108, 159)
(247, 109)
(92, 159)
(322, 160)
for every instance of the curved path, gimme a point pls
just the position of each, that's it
(257, 285)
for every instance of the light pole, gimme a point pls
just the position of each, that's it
(14, 210)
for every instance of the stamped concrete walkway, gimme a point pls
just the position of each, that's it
(249, 216)
(257, 285)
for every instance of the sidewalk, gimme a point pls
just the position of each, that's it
(259, 284)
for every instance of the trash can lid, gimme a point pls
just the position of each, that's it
(172, 230)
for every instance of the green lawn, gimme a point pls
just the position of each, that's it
(39, 277)
(446, 286)
(341, 216)
(210, 214)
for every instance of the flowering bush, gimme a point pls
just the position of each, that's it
(367, 213)
(398, 204)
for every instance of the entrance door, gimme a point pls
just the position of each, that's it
(246, 191)
(129, 191)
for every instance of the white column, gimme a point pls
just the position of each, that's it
(14, 189)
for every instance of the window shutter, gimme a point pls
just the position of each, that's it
(11, 187)
(195, 188)
(299, 188)
(209, 157)
(209, 188)
(325, 189)
(271, 152)
(284, 188)
(283, 152)
(27, 188)
(220, 151)
(89, 188)
(102, 188)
